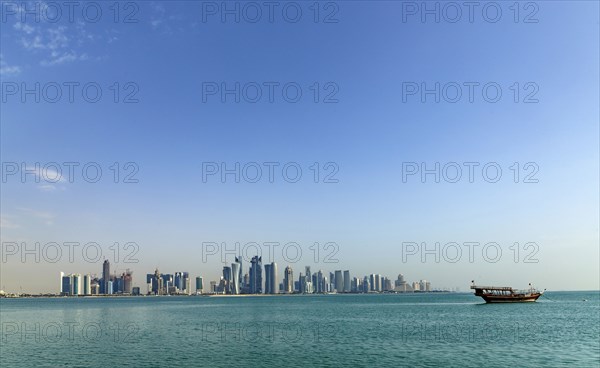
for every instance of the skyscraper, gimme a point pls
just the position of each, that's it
(87, 285)
(227, 278)
(339, 281)
(241, 272)
(268, 279)
(199, 285)
(320, 284)
(256, 275)
(67, 289)
(60, 289)
(127, 281)
(274, 280)
(346, 281)
(366, 285)
(236, 269)
(179, 281)
(105, 278)
(187, 284)
(288, 280)
(77, 284)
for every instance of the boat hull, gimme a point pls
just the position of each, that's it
(510, 298)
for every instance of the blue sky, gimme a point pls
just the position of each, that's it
(367, 54)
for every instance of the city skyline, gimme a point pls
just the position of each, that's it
(233, 282)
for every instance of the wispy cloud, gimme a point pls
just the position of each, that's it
(45, 174)
(8, 70)
(47, 188)
(6, 222)
(47, 217)
(58, 44)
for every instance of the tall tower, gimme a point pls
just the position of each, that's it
(199, 285)
(105, 277)
(227, 277)
(268, 279)
(288, 280)
(236, 277)
(346, 281)
(241, 278)
(256, 275)
(87, 285)
(274, 280)
(339, 281)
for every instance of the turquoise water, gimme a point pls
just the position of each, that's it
(430, 330)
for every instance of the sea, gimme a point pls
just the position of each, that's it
(562, 329)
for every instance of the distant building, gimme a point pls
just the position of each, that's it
(87, 285)
(135, 290)
(268, 279)
(67, 289)
(274, 283)
(347, 281)
(126, 282)
(366, 285)
(339, 281)
(104, 289)
(199, 285)
(256, 282)
(236, 269)
(77, 286)
(288, 280)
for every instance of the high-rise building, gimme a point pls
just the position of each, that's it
(320, 283)
(110, 287)
(227, 279)
(105, 278)
(339, 281)
(274, 279)
(241, 273)
(355, 286)
(366, 285)
(288, 280)
(301, 283)
(168, 283)
(377, 283)
(268, 279)
(256, 285)
(199, 285)
(179, 281)
(416, 286)
(236, 268)
(77, 284)
(60, 289)
(126, 282)
(67, 288)
(187, 283)
(347, 281)
(87, 285)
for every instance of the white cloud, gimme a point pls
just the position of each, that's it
(6, 69)
(45, 174)
(47, 188)
(7, 223)
(47, 217)
(58, 44)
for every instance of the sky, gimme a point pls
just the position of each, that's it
(132, 112)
